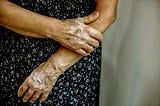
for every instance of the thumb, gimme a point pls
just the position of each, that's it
(90, 18)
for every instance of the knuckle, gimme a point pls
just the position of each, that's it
(75, 46)
(35, 97)
(72, 44)
(30, 92)
(78, 51)
(82, 37)
(85, 46)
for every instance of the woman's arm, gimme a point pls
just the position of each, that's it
(108, 13)
(64, 57)
(69, 33)
(40, 82)
(24, 21)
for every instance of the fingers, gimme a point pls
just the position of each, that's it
(83, 34)
(22, 89)
(28, 95)
(88, 33)
(35, 96)
(90, 41)
(43, 96)
(86, 42)
(82, 52)
(90, 18)
(94, 33)
(86, 50)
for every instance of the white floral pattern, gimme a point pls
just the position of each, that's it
(78, 86)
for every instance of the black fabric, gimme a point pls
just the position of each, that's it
(78, 86)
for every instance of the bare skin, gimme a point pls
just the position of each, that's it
(107, 10)
(77, 36)
(66, 57)
(42, 79)
(24, 20)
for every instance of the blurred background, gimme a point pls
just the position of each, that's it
(131, 56)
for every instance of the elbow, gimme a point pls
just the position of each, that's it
(111, 15)
(113, 18)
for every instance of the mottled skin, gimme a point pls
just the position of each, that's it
(76, 36)
(24, 20)
(64, 57)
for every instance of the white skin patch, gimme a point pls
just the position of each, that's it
(38, 80)
(93, 31)
(79, 29)
(82, 36)
(41, 79)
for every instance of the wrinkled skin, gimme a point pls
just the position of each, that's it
(42, 79)
(40, 82)
(107, 9)
(76, 35)
(69, 33)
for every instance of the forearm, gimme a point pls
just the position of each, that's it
(64, 58)
(108, 12)
(24, 21)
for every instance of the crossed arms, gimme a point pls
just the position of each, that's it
(74, 44)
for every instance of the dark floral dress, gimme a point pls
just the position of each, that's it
(19, 55)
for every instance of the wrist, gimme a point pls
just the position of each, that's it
(58, 63)
(64, 59)
(51, 28)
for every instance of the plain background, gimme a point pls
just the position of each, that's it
(131, 56)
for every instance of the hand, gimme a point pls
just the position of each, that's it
(39, 83)
(75, 35)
